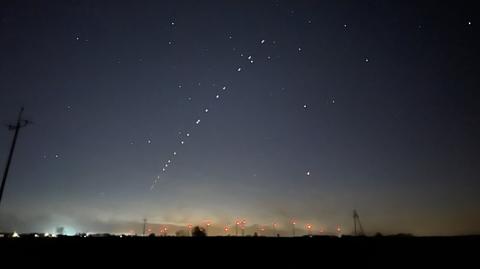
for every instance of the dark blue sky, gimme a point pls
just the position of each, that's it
(328, 106)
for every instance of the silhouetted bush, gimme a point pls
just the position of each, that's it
(198, 232)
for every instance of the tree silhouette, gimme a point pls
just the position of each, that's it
(198, 232)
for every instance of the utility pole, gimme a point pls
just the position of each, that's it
(13, 127)
(356, 220)
(293, 228)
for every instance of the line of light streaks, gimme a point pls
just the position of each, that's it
(182, 138)
(187, 135)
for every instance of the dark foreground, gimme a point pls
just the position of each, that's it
(383, 251)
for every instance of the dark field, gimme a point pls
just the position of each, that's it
(362, 250)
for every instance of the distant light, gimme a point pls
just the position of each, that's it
(15, 234)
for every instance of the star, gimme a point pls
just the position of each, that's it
(304, 106)
(188, 134)
(469, 23)
(299, 49)
(169, 161)
(366, 60)
(206, 110)
(239, 69)
(263, 41)
(197, 122)
(57, 156)
(174, 153)
(217, 96)
(308, 173)
(224, 88)
(149, 141)
(182, 142)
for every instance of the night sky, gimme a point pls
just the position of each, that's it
(191, 111)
